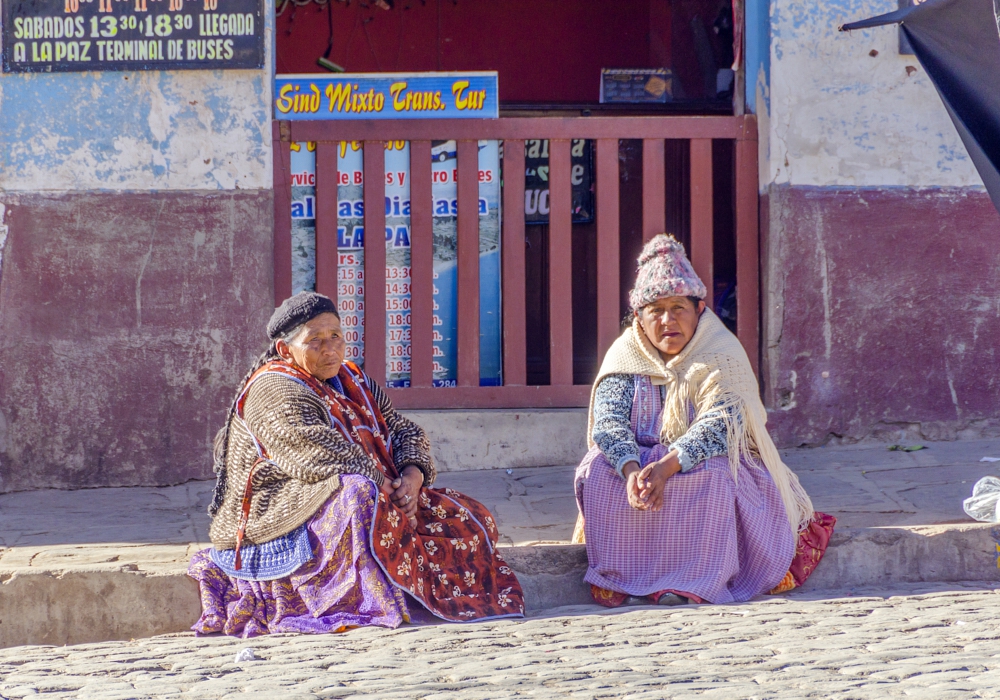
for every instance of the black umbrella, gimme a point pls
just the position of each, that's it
(958, 44)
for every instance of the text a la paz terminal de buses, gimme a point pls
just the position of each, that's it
(142, 37)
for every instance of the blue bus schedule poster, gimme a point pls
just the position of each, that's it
(350, 243)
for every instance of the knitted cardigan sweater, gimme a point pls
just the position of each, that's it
(308, 455)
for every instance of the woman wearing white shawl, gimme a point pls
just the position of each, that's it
(683, 495)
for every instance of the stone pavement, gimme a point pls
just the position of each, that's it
(863, 485)
(92, 565)
(936, 645)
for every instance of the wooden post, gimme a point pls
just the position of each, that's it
(468, 263)
(560, 263)
(702, 229)
(421, 266)
(514, 334)
(608, 271)
(374, 193)
(654, 191)
(326, 218)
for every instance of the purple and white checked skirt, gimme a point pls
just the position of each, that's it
(722, 540)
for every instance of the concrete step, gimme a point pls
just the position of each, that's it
(552, 575)
(121, 600)
(467, 440)
(109, 564)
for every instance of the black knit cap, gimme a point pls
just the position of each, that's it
(296, 310)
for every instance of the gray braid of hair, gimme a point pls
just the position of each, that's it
(220, 446)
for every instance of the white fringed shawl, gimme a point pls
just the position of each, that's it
(712, 373)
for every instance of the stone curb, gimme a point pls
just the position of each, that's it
(920, 554)
(103, 604)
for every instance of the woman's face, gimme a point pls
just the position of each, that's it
(318, 347)
(670, 322)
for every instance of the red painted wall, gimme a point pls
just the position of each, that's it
(546, 51)
(126, 322)
(879, 320)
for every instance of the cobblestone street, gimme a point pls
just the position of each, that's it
(934, 644)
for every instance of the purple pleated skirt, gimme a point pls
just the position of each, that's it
(341, 587)
(720, 539)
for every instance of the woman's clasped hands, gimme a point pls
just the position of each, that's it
(644, 486)
(405, 490)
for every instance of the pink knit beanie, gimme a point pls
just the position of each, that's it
(664, 271)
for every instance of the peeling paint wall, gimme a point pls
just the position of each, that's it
(880, 247)
(757, 53)
(3, 233)
(136, 214)
(138, 130)
(880, 322)
(841, 117)
(126, 321)
(187, 130)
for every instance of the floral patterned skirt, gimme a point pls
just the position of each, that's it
(365, 555)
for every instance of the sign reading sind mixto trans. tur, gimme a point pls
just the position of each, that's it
(115, 35)
(387, 96)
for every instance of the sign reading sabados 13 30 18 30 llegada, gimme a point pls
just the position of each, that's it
(387, 96)
(116, 35)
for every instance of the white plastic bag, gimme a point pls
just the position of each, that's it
(245, 654)
(984, 505)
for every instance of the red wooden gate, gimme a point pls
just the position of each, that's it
(515, 393)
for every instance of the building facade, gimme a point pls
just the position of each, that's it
(880, 247)
(136, 247)
(136, 269)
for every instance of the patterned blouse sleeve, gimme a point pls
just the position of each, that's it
(410, 446)
(612, 420)
(703, 440)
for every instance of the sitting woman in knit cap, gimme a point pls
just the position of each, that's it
(683, 495)
(323, 517)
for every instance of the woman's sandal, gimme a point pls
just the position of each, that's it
(672, 599)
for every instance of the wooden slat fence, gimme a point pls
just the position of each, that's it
(606, 131)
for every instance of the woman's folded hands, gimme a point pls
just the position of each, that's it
(404, 491)
(644, 486)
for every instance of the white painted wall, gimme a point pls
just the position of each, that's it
(840, 117)
(504, 438)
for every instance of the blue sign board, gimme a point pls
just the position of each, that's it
(387, 96)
